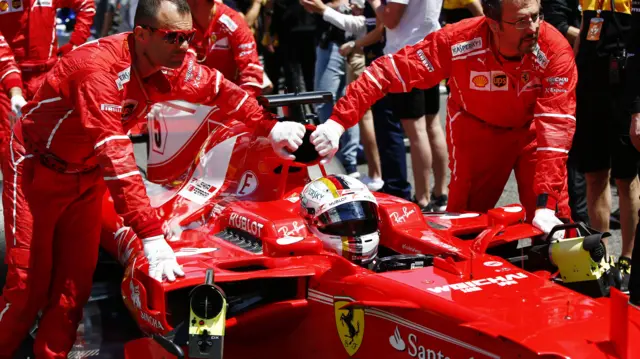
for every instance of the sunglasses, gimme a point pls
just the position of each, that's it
(173, 37)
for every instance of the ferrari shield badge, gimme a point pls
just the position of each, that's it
(350, 324)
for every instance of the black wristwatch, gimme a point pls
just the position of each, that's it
(545, 201)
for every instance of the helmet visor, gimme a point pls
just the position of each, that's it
(349, 219)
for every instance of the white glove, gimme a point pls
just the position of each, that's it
(545, 219)
(326, 138)
(286, 134)
(162, 260)
(17, 102)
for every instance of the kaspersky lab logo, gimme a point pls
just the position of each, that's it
(415, 350)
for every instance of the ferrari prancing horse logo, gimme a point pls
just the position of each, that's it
(350, 324)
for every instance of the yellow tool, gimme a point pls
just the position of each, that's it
(207, 320)
(579, 259)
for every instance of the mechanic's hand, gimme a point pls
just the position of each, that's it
(326, 139)
(161, 258)
(17, 102)
(65, 49)
(634, 130)
(286, 135)
(545, 219)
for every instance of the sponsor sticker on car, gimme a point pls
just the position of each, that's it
(294, 230)
(246, 224)
(414, 348)
(475, 285)
(402, 217)
(248, 184)
(198, 191)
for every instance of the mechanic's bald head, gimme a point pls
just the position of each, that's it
(162, 12)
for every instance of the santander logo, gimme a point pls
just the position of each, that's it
(396, 341)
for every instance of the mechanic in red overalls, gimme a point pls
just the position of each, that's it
(225, 42)
(512, 106)
(71, 141)
(29, 28)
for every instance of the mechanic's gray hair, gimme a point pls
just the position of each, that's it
(148, 9)
(492, 9)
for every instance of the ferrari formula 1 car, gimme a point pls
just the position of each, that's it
(259, 284)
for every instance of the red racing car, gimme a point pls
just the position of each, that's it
(260, 284)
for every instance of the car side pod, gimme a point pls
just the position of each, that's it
(207, 320)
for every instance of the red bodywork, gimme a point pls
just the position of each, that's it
(468, 304)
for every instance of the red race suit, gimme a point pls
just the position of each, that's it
(228, 46)
(501, 115)
(69, 143)
(29, 30)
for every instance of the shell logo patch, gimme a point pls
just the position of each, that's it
(4, 6)
(488, 81)
(480, 81)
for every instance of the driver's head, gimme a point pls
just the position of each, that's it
(343, 213)
(163, 30)
(514, 24)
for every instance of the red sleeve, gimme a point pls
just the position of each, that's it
(100, 101)
(227, 96)
(10, 75)
(422, 65)
(555, 122)
(85, 11)
(245, 53)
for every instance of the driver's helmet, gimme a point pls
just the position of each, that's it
(343, 213)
